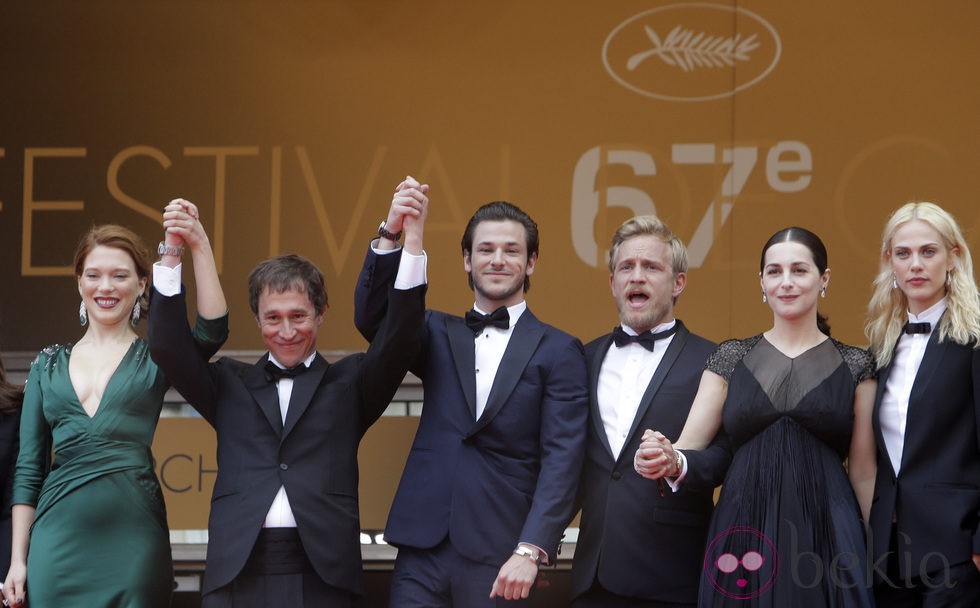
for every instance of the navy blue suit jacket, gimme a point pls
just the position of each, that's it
(508, 477)
(634, 541)
(935, 498)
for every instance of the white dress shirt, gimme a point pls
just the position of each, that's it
(894, 411)
(280, 514)
(411, 273)
(623, 378)
(489, 346)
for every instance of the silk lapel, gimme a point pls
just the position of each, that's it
(670, 356)
(595, 366)
(522, 344)
(919, 398)
(304, 386)
(464, 355)
(263, 391)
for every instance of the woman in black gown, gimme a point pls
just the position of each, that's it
(787, 529)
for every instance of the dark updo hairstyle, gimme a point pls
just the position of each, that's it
(795, 234)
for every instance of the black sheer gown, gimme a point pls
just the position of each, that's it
(787, 529)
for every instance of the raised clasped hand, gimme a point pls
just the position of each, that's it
(181, 220)
(409, 204)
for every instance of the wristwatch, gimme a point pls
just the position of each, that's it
(385, 234)
(165, 249)
(679, 462)
(529, 553)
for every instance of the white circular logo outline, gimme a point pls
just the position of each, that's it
(731, 93)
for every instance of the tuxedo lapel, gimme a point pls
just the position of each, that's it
(304, 386)
(522, 344)
(595, 366)
(670, 356)
(919, 399)
(464, 355)
(263, 390)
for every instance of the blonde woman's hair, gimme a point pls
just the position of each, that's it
(888, 305)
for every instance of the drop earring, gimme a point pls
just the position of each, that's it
(764, 298)
(823, 292)
(894, 282)
(82, 314)
(136, 312)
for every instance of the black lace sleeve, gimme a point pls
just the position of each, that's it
(727, 356)
(859, 360)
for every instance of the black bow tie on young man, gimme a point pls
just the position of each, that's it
(917, 328)
(478, 321)
(277, 373)
(646, 339)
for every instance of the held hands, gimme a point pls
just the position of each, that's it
(409, 208)
(655, 458)
(515, 578)
(181, 221)
(15, 587)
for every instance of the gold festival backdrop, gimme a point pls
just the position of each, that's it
(290, 122)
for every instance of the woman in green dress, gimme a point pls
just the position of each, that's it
(89, 521)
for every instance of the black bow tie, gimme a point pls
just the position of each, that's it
(646, 339)
(477, 321)
(917, 328)
(277, 373)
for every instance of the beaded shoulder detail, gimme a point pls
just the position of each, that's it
(46, 359)
(728, 354)
(860, 361)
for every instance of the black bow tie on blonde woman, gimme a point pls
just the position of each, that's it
(478, 322)
(277, 373)
(917, 328)
(646, 339)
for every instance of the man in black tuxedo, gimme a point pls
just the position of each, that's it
(490, 481)
(284, 528)
(640, 543)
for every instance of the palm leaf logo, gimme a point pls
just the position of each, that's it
(684, 49)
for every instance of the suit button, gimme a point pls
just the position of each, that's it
(283, 466)
(617, 475)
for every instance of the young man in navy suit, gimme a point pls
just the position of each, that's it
(638, 544)
(490, 481)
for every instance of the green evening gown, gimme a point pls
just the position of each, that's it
(100, 534)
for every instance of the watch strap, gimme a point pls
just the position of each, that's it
(386, 234)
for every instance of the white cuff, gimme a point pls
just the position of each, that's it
(411, 271)
(166, 280)
(374, 247)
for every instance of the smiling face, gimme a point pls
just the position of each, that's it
(643, 283)
(791, 280)
(289, 324)
(498, 263)
(920, 261)
(109, 285)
